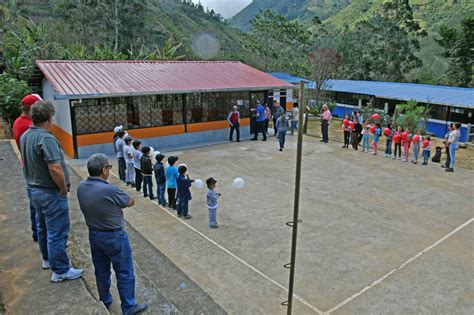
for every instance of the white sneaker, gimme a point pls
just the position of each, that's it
(70, 275)
(45, 265)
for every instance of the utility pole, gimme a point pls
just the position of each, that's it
(294, 224)
(116, 9)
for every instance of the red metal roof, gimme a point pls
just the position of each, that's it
(85, 79)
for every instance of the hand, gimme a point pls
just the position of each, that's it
(63, 193)
(219, 194)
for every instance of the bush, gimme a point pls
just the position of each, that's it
(11, 93)
(409, 115)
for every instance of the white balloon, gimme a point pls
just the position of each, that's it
(152, 151)
(238, 183)
(153, 156)
(198, 184)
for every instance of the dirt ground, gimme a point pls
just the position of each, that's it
(464, 156)
(376, 237)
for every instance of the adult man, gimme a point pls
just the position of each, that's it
(234, 121)
(276, 113)
(48, 182)
(325, 119)
(21, 125)
(101, 204)
(119, 144)
(259, 122)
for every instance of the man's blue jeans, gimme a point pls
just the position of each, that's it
(33, 219)
(113, 248)
(53, 226)
(281, 138)
(160, 193)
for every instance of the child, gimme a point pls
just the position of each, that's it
(416, 146)
(406, 144)
(147, 173)
(212, 202)
(282, 126)
(136, 151)
(388, 144)
(355, 133)
(129, 169)
(171, 174)
(378, 132)
(347, 132)
(398, 143)
(160, 178)
(184, 195)
(426, 150)
(365, 136)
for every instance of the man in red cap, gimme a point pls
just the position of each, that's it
(23, 122)
(21, 125)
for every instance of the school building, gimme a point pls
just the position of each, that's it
(448, 104)
(166, 104)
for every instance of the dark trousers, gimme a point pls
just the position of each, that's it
(235, 127)
(172, 197)
(281, 138)
(275, 129)
(259, 128)
(160, 193)
(183, 207)
(324, 130)
(33, 219)
(147, 186)
(448, 158)
(265, 126)
(355, 140)
(398, 146)
(346, 137)
(138, 179)
(121, 168)
(113, 249)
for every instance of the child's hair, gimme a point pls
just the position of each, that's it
(389, 125)
(120, 134)
(378, 125)
(182, 169)
(127, 140)
(457, 125)
(159, 157)
(172, 160)
(428, 138)
(146, 150)
(136, 143)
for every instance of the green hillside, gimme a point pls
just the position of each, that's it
(291, 9)
(146, 23)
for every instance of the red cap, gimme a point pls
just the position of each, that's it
(30, 99)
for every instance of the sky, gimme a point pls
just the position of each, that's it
(227, 8)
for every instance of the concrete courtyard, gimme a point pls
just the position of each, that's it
(378, 235)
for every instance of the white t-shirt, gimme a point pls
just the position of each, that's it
(294, 114)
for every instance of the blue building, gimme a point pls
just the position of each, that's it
(448, 104)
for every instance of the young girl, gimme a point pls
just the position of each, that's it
(377, 134)
(365, 136)
(388, 146)
(397, 138)
(426, 150)
(347, 132)
(416, 146)
(406, 143)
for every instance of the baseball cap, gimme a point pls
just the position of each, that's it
(210, 181)
(30, 99)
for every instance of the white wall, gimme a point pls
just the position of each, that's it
(62, 118)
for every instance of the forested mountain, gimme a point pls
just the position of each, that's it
(291, 9)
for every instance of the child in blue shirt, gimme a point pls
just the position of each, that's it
(184, 195)
(171, 174)
(377, 134)
(212, 197)
(160, 178)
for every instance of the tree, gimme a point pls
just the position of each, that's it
(409, 115)
(281, 43)
(459, 50)
(384, 46)
(324, 63)
(12, 91)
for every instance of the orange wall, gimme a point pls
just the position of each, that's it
(106, 137)
(65, 139)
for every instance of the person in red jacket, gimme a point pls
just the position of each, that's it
(23, 122)
(234, 122)
(21, 125)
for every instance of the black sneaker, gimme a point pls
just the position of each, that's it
(253, 139)
(448, 169)
(443, 166)
(281, 149)
(187, 217)
(152, 198)
(264, 139)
